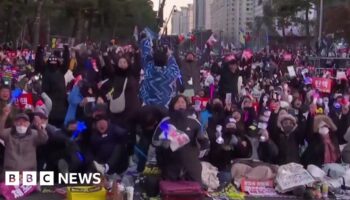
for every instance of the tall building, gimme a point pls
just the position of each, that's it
(175, 23)
(202, 14)
(182, 21)
(191, 17)
(231, 18)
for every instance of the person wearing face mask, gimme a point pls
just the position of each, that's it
(190, 71)
(21, 142)
(223, 145)
(323, 147)
(287, 135)
(176, 140)
(249, 113)
(108, 143)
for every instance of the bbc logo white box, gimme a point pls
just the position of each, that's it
(29, 178)
(47, 178)
(12, 178)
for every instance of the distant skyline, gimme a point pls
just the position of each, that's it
(169, 5)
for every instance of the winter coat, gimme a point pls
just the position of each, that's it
(288, 144)
(314, 153)
(346, 151)
(228, 83)
(20, 151)
(132, 102)
(159, 84)
(54, 86)
(184, 158)
(103, 145)
(191, 70)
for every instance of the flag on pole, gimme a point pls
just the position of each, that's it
(241, 37)
(211, 41)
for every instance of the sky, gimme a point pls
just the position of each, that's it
(169, 5)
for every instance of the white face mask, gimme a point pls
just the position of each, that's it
(44, 126)
(21, 129)
(323, 131)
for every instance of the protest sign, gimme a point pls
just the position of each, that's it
(291, 71)
(287, 57)
(341, 75)
(258, 188)
(322, 84)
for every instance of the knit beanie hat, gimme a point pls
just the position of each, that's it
(41, 110)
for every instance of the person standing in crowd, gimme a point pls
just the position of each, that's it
(122, 86)
(53, 84)
(21, 142)
(173, 159)
(161, 73)
(230, 80)
(190, 71)
(323, 147)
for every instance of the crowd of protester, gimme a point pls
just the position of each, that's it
(89, 109)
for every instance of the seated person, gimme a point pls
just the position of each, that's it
(108, 145)
(180, 160)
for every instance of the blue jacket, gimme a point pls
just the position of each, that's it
(159, 84)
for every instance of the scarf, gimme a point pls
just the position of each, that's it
(330, 153)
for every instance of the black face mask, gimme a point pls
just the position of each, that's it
(230, 131)
(190, 61)
(179, 114)
(304, 109)
(217, 108)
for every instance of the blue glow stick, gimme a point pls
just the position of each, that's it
(165, 128)
(80, 156)
(15, 94)
(80, 128)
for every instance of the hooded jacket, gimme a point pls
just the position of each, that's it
(287, 143)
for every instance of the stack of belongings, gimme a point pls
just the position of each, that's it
(333, 177)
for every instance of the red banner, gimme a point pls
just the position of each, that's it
(322, 84)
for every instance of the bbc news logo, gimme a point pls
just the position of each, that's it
(47, 178)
